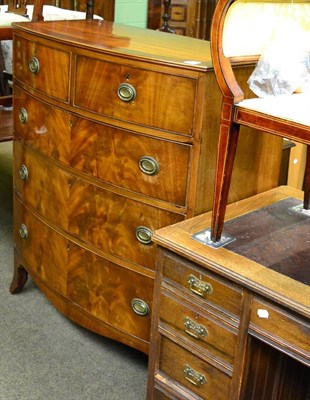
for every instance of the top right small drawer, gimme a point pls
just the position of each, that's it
(134, 94)
(281, 327)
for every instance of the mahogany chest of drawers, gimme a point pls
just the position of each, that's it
(115, 136)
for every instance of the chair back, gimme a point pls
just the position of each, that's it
(241, 29)
(17, 7)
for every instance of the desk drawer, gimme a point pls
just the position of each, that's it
(151, 166)
(192, 372)
(278, 326)
(43, 68)
(208, 333)
(161, 100)
(205, 286)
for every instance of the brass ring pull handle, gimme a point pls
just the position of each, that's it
(23, 172)
(193, 376)
(195, 330)
(23, 231)
(199, 287)
(34, 65)
(148, 165)
(144, 235)
(126, 92)
(140, 307)
(23, 115)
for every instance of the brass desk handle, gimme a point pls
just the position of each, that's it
(34, 65)
(23, 172)
(199, 287)
(126, 92)
(23, 231)
(193, 376)
(148, 165)
(23, 115)
(195, 330)
(144, 234)
(140, 307)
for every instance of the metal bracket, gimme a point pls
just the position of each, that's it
(204, 237)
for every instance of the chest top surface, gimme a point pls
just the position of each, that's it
(138, 43)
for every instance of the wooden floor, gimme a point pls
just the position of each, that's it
(6, 125)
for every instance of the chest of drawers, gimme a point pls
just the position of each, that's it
(225, 327)
(115, 136)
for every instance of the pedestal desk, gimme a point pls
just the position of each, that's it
(233, 322)
(115, 136)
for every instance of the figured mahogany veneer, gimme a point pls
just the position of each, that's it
(95, 174)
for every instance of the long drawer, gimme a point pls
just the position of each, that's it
(116, 295)
(151, 166)
(113, 223)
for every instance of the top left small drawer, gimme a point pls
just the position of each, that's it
(45, 69)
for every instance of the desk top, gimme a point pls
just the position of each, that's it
(246, 260)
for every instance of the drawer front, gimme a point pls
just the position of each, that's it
(156, 168)
(192, 372)
(45, 127)
(266, 319)
(113, 223)
(105, 290)
(43, 68)
(210, 334)
(160, 100)
(205, 286)
(116, 295)
(44, 250)
(43, 186)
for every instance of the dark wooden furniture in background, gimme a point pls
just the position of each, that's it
(6, 33)
(102, 8)
(262, 114)
(186, 17)
(84, 231)
(234, 323)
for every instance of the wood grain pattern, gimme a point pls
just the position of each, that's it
(47, 128)
(172, 364)
(92, 220)
(271, 358)
(158, 95)
(83, 145)
(172, 316)
(96, 146)
(52, 63)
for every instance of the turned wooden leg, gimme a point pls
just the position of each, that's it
(307, 181)
(225, 161)
(19, 278)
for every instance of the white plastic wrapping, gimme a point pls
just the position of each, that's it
(284, 65)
